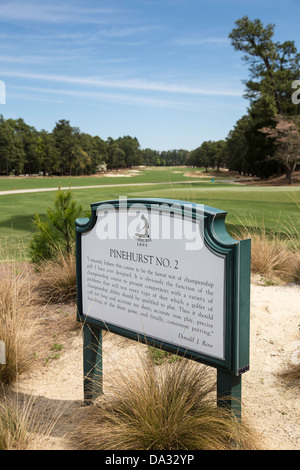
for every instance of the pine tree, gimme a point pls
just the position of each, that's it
(56, 233)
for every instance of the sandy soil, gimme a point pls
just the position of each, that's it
(271, 407)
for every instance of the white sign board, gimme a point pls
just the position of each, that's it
(155, 277)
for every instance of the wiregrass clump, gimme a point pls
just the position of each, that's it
(26, 424)
(14, 425)
(296, 267)
(270, 256)
(291, 371)
(17, 327)
(57, 279)
(168, 407)
(291, 375)
(275, 255)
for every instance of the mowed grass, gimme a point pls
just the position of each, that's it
(143, 175)
(275, 208)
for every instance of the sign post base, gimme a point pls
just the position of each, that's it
(229, 389)
(92, 362)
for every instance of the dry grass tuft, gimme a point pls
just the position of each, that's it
(167, 407)
(57, 279)
(291, 375)
(275, 255)
(295, 267)
(24, 425)
(14, 424)
(17, 327)
(270, 256)
(291, 371)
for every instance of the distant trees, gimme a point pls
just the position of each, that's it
(68, 151)
(174, 157)
(67, 142)
(210, 154)
(150, 157)
(64, 151)
(8, 146)
(165, 157)
(130, 148)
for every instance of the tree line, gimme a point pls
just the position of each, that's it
(68, 151)
(64, 151)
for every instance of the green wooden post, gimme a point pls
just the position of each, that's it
(92, 362)
(229, 391)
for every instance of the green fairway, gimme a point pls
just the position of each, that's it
(274, 207)
(143, 175)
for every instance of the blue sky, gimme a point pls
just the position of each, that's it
(163, 71)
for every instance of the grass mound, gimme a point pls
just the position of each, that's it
(168, 407)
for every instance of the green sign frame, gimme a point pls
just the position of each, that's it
(237, 255)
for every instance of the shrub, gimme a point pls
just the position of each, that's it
(57, 230)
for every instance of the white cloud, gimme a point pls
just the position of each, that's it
(127, 84)
(118, 98)
(34, 59)
(33, 11)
